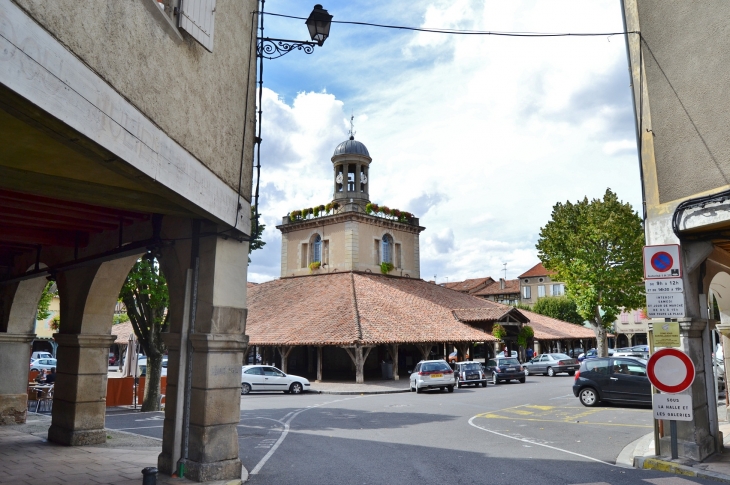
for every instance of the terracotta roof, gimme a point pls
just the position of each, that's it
(468, 286)
(250, 284)
(349, 308)
(537, 270)
(547, 328)
(510, 286)
(491, 314)
(122, 332)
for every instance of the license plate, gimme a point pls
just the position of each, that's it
(511, 368)
(434, 376)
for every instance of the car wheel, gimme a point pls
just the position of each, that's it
(494, 379)
(245, 388)
(458, 383)
(410, 386)
(571, 373)
(588, 397)
(442, 389)
(522, 381)
(418, 389)
(484, 384)
(527, 371)
(550, 372)
(296, 388)
(450, 388)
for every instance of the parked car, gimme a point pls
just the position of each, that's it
(575, 352)
(268, 378)
(513, 353)
(432, 374)
(41, 355)
(38, 364)
(642, 349)
(142, 364)
(592, 354)
(551, 365)
(612, 379)
(469, 373)
(505, 369)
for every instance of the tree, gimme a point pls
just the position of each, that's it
(595, 248)
(45, 301)
(145, 295)
(256, 232)
(559, 307)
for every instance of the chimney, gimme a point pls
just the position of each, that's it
(501, 283)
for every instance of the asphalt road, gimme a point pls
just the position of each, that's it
(532, 433)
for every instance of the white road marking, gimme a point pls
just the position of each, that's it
(291, 416)
(524, 440)
(562, 397)
(141, 427)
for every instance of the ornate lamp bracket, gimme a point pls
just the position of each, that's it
(275, 48)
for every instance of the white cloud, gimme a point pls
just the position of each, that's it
(479, 136)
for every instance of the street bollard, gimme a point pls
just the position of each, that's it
(149, 476)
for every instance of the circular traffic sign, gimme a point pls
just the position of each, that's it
(662, 261)
(670, 370)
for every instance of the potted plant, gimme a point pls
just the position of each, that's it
(386, 268)
(499, 331)
(315, 265)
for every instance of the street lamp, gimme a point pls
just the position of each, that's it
(318, 23)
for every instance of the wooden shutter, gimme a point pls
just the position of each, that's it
(197, 17)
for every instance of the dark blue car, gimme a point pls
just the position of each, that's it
(612, 379)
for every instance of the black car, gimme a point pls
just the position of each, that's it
(505, 369)
(469, 373)
(612, 379)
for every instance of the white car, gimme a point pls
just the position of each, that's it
(432, 374)
(268, 378)
(142, 363)
(38, 364)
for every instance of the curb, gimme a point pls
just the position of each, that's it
(358, 393)
(651, 463)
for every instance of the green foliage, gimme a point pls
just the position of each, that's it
(369, 208)
(314, 265)
(120, 318)
(256, 242)
(523, 306)
(45, 302)
(525, 334)
(595, 248)
(498, 331)
(386, 268)
(55, 323)
(559, 307)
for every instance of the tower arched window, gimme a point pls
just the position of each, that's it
(317, 249)
(387, 250)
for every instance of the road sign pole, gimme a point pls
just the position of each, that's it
(673, 433)
(657, 452)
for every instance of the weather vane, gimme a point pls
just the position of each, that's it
(352, 127)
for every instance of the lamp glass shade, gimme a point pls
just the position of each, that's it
(319, 23)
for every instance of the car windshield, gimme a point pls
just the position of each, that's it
(432, 366)
(473, 366)
(560, 356)
(508, 362)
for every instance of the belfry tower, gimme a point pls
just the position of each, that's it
(350, 233)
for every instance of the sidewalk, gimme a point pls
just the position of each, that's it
(368, 387)
(641, 454)
(28, 458)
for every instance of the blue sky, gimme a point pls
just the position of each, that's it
(479, 136)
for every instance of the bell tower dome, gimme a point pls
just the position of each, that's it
(351, 164)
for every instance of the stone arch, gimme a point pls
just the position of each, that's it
(22, 298)
(720, 289)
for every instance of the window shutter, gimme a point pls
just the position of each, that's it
(197, 17)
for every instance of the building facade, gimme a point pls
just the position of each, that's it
(537, 283)
(679, 60)
(128, 128)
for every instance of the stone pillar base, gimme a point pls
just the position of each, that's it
(207, 472)
(687, 449)
(13, 408)
(69, 437)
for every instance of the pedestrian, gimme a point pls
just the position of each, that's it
(530, 353)
(51, 378)
(506, 351)
(41, 377)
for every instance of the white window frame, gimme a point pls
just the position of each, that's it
(541, 291)
(526, 293)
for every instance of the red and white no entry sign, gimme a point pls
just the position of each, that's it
(670, 370)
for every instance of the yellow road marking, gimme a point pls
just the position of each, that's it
(566, 421)
(541, 408)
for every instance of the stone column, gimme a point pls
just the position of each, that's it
(79, 399)
(694, 438)
(319, 363)
(14, 356)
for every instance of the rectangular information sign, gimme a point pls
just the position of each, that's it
(666, 285)
(666, 334)
(677, 407)
(665, 305)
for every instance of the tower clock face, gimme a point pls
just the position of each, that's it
(338, 179)
(363, 178)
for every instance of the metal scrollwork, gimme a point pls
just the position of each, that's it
(275, 48)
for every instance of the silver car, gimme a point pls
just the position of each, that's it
(432, 374)
(38, 364)
(552, 364)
